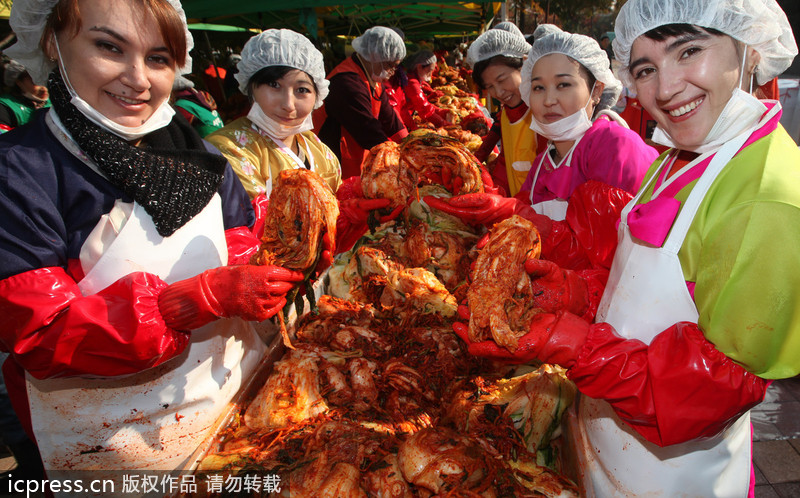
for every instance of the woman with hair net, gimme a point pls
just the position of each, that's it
(129, 333)
(358, 116)
(496, 57)
(699, 313)
(284, 76)
(197, 106)
(24, 97)
(420, 71)
(510, 27)
(591, 161)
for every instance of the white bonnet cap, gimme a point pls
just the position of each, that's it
(760, 24)
(584, 49)
(27, 20)
(496, 42)
(282, 47)
(508, 26)
(380, 44)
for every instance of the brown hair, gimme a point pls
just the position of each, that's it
(66, 16)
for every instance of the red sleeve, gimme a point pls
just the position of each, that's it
(677, 389)
(487, 146)
(416, 101)
(52, 330)
(587, 238)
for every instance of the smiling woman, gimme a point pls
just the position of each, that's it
(117, 62)
(284, 76)
(704, 66)
(496, 57)
(119, 224)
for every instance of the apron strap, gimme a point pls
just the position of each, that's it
(623, 217)
(721, 159)
(565, 161)
(289, 152)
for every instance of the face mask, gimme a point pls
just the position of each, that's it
(565, 129)
(739, 115)
(160, 118)
(384, 75)
(274, 129)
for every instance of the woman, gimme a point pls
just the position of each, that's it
(128, 333)
(420, 70)
(496, 58)
(565, 81)
(358, 115)
(700, 309)
(284, 76)
(197, 106)
(23, 97)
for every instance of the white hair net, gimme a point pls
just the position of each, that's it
(544, 29)
(760, 24)
(582, 48)
(11, 72)
(282, 47)
(27, 20)
(496, 42)
(380, 44)
(508, 26)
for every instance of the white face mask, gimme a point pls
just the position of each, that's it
(275, 129)
(383, 76)
(739, 115)
(565, 129)
(160, 118)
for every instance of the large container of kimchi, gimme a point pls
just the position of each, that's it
(378, 396)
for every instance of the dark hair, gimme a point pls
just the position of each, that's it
(586, 74)
(504, 60)
(418, 58)
(66, 15)
(661, 33)
(271, 74)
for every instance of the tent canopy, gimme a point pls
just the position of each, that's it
(319, 18)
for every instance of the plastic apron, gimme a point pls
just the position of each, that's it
(296, 161)
(555, 209)
(519, 149)
(352, 154)
(155, 419)
(614, 459)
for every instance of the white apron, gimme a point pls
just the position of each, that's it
(151, 420)
(613, 458)
(555, 209)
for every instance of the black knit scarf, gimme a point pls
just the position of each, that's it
(171, 175)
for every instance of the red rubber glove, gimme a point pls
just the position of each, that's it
(251, 292)
(488, 182)
(350, 189)
(352, 221)
(325, 257)
(553, 338)
(556, 289)
(488, 209)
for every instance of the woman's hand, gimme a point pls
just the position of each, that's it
(556, 289)
(254, 293)
(552, 338)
